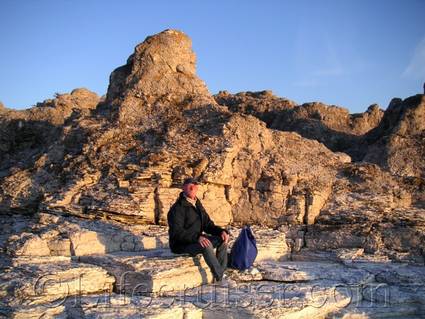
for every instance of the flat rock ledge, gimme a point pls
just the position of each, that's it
(152, 275)
(75, 268)
(159, 285)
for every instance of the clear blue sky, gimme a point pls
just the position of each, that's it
(348, 53)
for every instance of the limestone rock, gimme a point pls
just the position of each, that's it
(264, 299)
(33, 147)
(28, 244)
(119, 306)
(160, 73)
(166, 198)
(333, 198)
(262, 104)
(61, 236)
(367, 309)
(215, 202)
(400, 137)
(290, 271)
(332, 125)
(332, 283)
(367, 209)
(138, 274)
(102, 169)
(38, 311)
(49, 280)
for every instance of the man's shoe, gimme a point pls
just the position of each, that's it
(225, 282)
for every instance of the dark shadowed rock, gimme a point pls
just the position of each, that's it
(331, 125)
(33, 145)
(398, 143)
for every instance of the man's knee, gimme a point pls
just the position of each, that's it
(222, 245)
(208, 249)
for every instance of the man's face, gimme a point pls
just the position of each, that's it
(190, 190)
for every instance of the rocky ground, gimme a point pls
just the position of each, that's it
(69, 267)
(336, 200)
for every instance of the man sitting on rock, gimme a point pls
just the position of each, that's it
(192, 231)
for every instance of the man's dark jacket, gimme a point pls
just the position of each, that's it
(186, 223)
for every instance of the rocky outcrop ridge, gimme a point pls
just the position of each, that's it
(25, 132)
(331, 125)
(397, 144)
(393, 138)
(100, 166)
(86, 183)
(130, 170)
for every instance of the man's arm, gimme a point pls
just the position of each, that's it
(176, 224)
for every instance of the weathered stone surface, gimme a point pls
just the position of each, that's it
(47, 279)
(370, 209)
(166, 198)
(94, 178)
(393, 139)
(125, 165)
(28, 139)
(110, 305)
(28, 244)
(70, 236)
(100, 168)
(258, 180)
(396, 292)
(296, 271)
(38, 311)
(369, 310)
(118, 306)
(263, 104)
(296, 289)
(160, 73)
(264, 299)
(216, 204)
(331, 125)
(138, 274)
(397, 143)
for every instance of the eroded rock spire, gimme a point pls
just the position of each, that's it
(159, 75)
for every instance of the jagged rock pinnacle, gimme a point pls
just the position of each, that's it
(160, 74)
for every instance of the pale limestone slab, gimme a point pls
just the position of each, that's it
(139, 274)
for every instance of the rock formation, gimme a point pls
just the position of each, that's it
(160, 76)
(86, 183)
(397, 144)
(331, 125)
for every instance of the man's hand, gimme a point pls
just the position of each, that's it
(224, 236)
(204, 241)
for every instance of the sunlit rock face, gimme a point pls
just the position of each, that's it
(160, 76)
(334, 199)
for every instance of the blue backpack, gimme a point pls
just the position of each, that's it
(244, 250)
